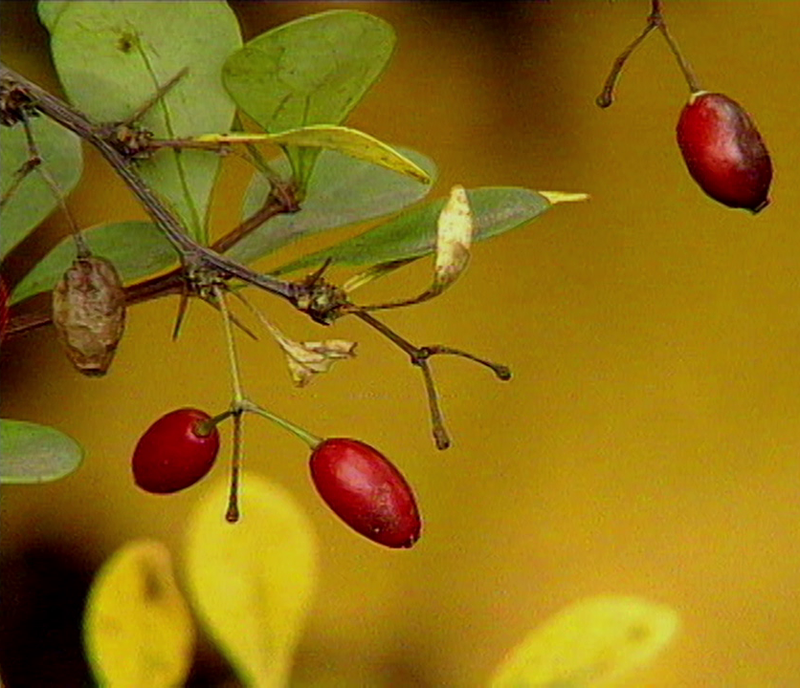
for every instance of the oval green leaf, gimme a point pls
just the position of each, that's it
(251, 582)
(137, 249)
(313, 70)
(113, 56)
(33, 200)
(594, 643)
(413, 233)
(342, 191)
(33, 453)
(137, 628)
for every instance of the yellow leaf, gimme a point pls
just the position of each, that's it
(598, 641)
(349, 141)
(138, 630)
(251, 582)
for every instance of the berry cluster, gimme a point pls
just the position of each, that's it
(355, 480)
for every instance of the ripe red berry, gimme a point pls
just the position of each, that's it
(175, 452)
(724, 151)
(366, 491)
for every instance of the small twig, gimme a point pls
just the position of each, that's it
(193, 254)
(420, 357)
(655, 20)
(232, 513)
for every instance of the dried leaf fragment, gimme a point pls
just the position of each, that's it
(455, 228)
(89, 313)
(307, 359)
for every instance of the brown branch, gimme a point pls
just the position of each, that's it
(194, 256)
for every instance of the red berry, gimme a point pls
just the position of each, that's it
(175, 451)
(724, 151)
(366, 491)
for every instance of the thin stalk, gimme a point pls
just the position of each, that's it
(233, 359)
(232, 513)
(309, 438)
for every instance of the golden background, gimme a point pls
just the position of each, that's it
(649, 441)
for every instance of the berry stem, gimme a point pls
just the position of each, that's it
(655, 20)
(205, 428)
(232, 513)
(688, 72)
(238, 396)
(309, 438)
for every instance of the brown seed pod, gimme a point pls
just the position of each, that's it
(89, 313)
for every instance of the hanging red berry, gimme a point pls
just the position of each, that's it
(176, 451)
(724, 152)
(366, 491)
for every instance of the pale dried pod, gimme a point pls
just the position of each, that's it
(89, 313)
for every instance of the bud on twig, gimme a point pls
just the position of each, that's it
(89, 313)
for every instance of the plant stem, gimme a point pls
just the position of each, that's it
(232, 512)
(686, 69)
(310, 439)
(654, 20)
(606, 97)
(233, 359)
(193, 254)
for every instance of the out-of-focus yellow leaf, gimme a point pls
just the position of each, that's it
(596, 642)
(138, 630)
(251, 582)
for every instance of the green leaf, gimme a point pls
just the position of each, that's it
(33, 200)
(251, 582)
(413, 234)
(313, 70)
(342, 191)
(113, 56)
(345, 140)
(33, 453)
(137, 249)
(50, 11)
(594, 643)
(137, 628)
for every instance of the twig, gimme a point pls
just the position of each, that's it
(194, 256)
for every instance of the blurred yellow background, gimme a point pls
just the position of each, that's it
(649, 441)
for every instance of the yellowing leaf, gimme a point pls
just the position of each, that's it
(251, 582)
(596, 642)
(349, 141)
(455, 227)
(137, 628)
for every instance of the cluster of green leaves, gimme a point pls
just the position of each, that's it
(296, 84)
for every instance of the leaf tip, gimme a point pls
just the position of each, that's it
(554, 197)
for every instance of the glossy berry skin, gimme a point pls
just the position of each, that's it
(172, 454)
(724, 151)
(366, 491)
